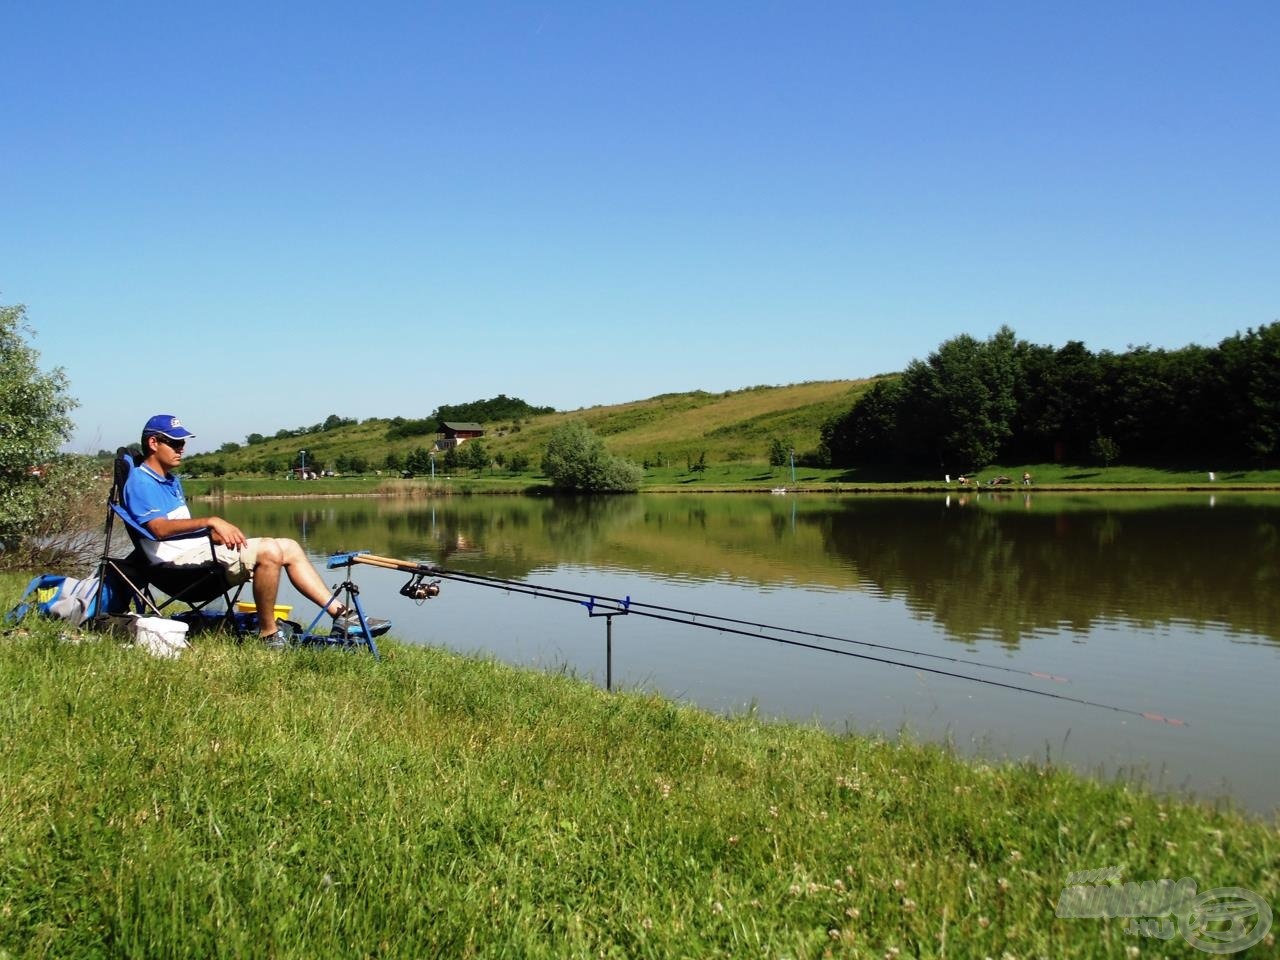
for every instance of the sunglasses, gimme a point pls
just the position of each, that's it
(175, 444)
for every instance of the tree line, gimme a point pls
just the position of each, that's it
(495, 410)
(973, 402)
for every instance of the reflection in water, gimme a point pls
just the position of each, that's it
(988, 566)
(1160, 603)
(1006, 573)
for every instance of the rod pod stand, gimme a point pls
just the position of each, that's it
(348, 591)
(608, 615)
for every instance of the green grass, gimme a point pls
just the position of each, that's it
(363, 486)
(240, 803)
(676, 476)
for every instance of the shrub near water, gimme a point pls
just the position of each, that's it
(237, 803)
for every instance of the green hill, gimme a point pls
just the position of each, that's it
(732, 427)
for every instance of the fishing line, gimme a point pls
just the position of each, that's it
(482, 580)
(598, 606)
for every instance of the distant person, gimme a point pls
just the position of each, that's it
(1026, 479)
(153, 497)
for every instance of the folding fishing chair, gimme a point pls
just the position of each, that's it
(131, 578)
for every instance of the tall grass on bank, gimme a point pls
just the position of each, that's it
(241, 803)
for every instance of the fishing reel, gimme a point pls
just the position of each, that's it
(419, 588)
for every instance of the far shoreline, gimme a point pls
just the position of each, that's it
(828, 489)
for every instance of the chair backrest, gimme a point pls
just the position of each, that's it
(124, 463)
(126, 457)
(126, 460)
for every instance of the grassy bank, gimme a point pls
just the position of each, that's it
(237, 803)
(749, 477)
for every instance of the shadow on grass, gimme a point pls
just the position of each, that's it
(866, 475)
(1082, 476)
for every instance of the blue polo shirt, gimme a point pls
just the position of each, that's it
(149, 496)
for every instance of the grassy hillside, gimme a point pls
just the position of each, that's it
(732, 427)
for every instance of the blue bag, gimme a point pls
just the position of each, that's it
(65, 598)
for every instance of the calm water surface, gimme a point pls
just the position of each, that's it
(1164, 603)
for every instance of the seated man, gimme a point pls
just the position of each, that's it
(154, 498)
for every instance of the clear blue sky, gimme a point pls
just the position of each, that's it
(254, 215)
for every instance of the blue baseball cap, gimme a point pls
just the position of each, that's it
(166, 425)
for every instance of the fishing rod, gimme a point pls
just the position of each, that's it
(694, 615)
(483, 580)
(419, 587)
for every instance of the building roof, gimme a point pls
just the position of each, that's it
(460, 427)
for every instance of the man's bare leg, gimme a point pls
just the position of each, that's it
(304, 576)
(266, 585)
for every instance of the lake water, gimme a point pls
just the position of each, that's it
(1167, 604)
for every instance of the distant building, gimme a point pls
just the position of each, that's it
(452, 434)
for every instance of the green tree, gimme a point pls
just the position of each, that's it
(476, 456)
(500, 408)
(576, 459)
(779, 451)
(37, 485)
(1249, 374)
(958, 406)
(1148, 396)
(1104, 449)
(418, 460)
(868, 434)
(1057, 401)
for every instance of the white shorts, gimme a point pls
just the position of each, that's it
(238, 564)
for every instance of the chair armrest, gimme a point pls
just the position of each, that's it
(142, 532)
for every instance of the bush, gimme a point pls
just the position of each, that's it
(576, 459)
(39, 488)
(64, 533)
(405, 429)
